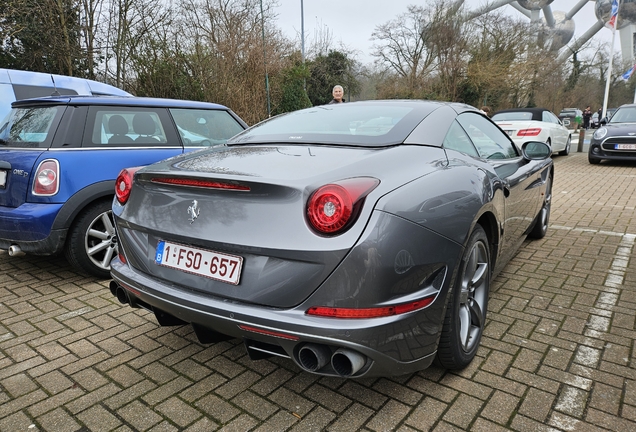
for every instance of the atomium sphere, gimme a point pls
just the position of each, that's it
(559, 36)
(534, 4)
(626, 12)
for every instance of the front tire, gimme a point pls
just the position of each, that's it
(593, 160)
(92, 241)
(465, 318)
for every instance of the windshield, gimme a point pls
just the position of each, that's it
(29, 127)
(624, 115)
(511, 116)
(358, 124)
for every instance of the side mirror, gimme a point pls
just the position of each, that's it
(536, 150)
(604, 121)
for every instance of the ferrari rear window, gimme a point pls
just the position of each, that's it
(30, 127)
(348, 124)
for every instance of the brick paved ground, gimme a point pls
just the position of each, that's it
(557, 353)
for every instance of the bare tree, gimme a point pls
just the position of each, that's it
(130, 23)
(402, 46)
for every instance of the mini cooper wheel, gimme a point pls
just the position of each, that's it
(540, 227)
(466, 311)
(593, 160)
(92, 241)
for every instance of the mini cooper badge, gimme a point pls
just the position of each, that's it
(194, 210)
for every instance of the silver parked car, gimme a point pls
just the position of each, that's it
(355, 239)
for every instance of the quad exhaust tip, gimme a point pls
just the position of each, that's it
(314, 357)
(345, 362)
(119, 292)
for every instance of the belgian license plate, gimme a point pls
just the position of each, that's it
(210, 264)
(3, 178)
(625, 147)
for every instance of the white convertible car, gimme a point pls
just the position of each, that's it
(534, 124)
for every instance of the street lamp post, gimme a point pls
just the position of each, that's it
(269, 109)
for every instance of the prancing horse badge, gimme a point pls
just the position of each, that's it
(194, 211)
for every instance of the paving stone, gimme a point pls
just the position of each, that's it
(58, 420)
(426, 414)
(536, 404)
(178, 412)
(139, 415)
(98, 419)
(254, 405)
(389, 416)
(217, 408)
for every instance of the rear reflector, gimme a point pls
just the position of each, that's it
(201, 183)
(385, 311)
(268, 332)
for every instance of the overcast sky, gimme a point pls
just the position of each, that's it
(352, 21)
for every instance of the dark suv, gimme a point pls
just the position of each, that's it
(60, 156)
(571, 117)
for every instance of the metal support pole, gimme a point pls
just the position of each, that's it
(269, 109)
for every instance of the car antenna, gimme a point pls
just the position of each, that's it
(55, 92)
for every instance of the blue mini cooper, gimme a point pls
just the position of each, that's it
(60, 156)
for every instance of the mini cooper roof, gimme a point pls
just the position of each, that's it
(115, 101)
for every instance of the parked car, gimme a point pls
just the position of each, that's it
(59, 157)
(19, 84)
(535, 124)
(616, 139)
(356, 239)
(572, 118)
(595, 121)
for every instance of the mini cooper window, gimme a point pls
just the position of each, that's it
(29, 127)
(490, 141)
(117, 127)
(204, 128)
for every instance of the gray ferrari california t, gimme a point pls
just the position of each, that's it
(355, 239)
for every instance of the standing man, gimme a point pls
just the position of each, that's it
(338, 93)
(587, 115)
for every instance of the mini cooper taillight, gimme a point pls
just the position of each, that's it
(332, 208)
(47, 178)
(123, 184)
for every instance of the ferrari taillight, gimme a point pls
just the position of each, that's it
(529, 132)
(123, 184)
(47, 178)
(333, 207)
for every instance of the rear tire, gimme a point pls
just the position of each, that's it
(465, 318)
(540, 227)
(92, 241)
